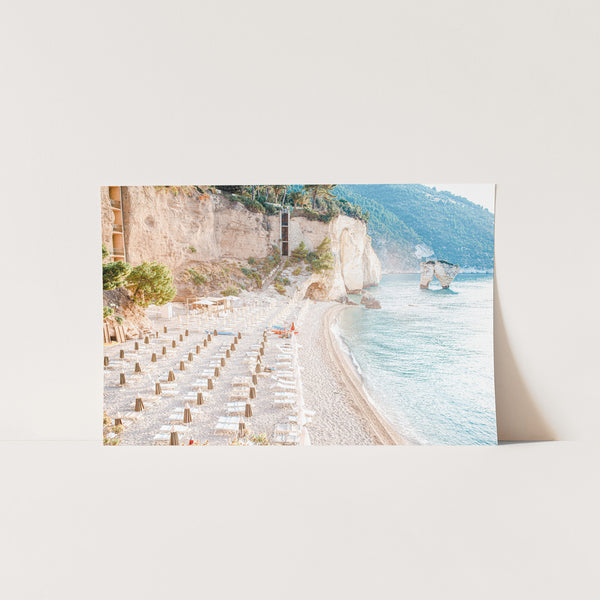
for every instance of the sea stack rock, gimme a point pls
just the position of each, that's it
(443, 270)
(369, 301)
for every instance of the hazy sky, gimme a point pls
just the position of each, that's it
(480, 193)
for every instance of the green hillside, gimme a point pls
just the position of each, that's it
(402, 217)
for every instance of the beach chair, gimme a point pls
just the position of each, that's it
(284, 402)
(286, 439)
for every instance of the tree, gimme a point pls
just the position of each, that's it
(322, 258)
(300, 252)
(105, 252)
(151, 283)
(114, 274)
(319, 192)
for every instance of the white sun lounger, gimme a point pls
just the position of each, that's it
(286, 439)
(162, 437)
(283, 402)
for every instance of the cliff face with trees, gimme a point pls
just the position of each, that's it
(221, 239)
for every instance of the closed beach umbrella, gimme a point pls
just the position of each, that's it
(197, 349)
(106, 361)
(157, 388)
(164, 330)
(146, 340)
(121, 378)
(171, 376)
(157, 334)
(242, 429)
(210, 384)
(187, 414)
(227, 353)
(232, 347)
(153, 359)
(136, 346)
(139, 405)
(118, 420)
(208, 337)
(252, 392)
(181, 365)
(164, 350)
(254, 379)
(257, 370)
(216, 371)
(187, 332)
(215, 333)
(180, 337)
(121, 354)
(199, 399)
(222, 362)
(248, 410)
(174, 441)
(239, 335)
(190, 357)
(138, 369)
(205, 343)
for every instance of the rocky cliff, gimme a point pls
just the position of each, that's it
(444, 271)
(203, 231)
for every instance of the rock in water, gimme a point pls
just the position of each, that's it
(443, 270)
(369, 301)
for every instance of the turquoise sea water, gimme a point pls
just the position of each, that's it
(427, 357)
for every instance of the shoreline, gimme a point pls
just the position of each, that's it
(382, 431)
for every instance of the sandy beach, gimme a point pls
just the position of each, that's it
(332, 389)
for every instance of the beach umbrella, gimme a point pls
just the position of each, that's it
(232, 347)
(222, 362)
(157, 334)
(257, 370)
(197, 349)
(199, 399)
(261, 351)
(227, 353)
(174, 441)
(139, 405)
(164, 329)
(146, 340)
(180, 337)
(121, 378)
(171, 376)
(239, 335)
(106, 361)
(164, 350)
(215, 333)
(121, 353)
(187, 414)
(118, 420)
(137, 368)
(216, 371)
(205, 343)
(181, 365)
(153, 359)
(248, 410)
(136, 346)
(252, 392)
(210, 384)
(254, 379)
(190, 357)
(174, 344)
(187, 332)
(242, 429)
(157, 388)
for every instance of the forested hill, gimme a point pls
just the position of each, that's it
(408, 220)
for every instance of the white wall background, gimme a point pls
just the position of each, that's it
(98, 93)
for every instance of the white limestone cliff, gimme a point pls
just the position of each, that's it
(183, 230)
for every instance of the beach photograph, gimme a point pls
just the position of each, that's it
(304, 314)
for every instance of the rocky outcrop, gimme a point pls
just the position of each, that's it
(370, 301)
(444, 271)
(133, 317)
(356, 265)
